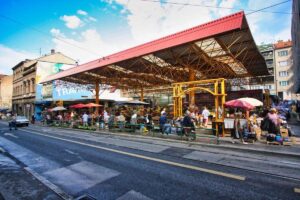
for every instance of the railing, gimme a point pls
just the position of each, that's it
(182, 133)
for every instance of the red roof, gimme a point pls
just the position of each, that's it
(283, 44)
(210, 29)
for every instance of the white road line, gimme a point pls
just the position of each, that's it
(297, 190)
(10, 134)
(2, 150)
(233, 176)
(71, 152)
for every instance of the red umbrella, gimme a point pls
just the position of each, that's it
(91, 105)
(80, 105)
(239, 104)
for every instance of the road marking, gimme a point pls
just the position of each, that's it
(233, 176)
(71, 152)
(297, 190)
(2, 150)
(10, 134)
(133, 195)
(50, 185)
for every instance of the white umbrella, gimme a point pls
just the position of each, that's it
(252, 101)
(58, 108)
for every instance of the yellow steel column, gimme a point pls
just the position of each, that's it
(216, 108)
(97, 88)
(175, 101)
(223, 97)
(192, 76)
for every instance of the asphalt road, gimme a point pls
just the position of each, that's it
(107, 171)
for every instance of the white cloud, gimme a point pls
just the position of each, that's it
(55, 32)
(89, 46)
(151, 20)
(10, 57)
(81, 12)
(92, 19)
(72, 21)
(225, 4)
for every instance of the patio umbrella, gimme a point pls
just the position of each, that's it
(239, 104)
(80, 105)
(252, 101)
(91, 105)
(58, 108)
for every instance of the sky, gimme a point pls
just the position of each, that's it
(89, 29)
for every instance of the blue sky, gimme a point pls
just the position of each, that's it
(102, 27)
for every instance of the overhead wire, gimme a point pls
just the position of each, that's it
(220, 7)
(47, 34)
(168, 2)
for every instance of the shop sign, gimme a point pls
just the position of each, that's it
(47, 91)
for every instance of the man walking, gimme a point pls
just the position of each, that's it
(13, 122)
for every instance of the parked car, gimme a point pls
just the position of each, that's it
(22, 120)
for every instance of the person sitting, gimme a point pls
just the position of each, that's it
(188, 124)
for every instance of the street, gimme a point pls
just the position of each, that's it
(114, 170)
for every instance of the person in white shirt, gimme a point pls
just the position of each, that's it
(163, 111)
(205, 114)
(85, 118)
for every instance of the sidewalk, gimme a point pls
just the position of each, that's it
(171, 141)
(16, 183)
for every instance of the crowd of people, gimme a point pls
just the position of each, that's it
(134, 116)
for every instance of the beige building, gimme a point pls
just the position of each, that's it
(285, 77)
(6, 83)
(26, 75)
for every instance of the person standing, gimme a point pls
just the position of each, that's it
(32, 119)
(162, 122)
(101, 121)
(205, 114)
(121, 121)
(13, 122)
(85, 118)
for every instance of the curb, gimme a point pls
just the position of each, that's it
(57, 190)
(220, 146)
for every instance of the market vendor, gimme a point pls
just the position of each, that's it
(271, 122)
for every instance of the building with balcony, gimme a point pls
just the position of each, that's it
(26, 77)
(265, 82)
(285, 76)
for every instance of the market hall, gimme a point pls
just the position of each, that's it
(204, 58)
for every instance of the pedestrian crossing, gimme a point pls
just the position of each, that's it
(80, 176)
(72, 179)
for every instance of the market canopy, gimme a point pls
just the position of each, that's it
(223, 48)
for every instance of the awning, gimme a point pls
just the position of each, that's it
(223, 48)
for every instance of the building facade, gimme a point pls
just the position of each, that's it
(26, 77)
(284, 71)
(266, 82)
(6, 85)
(296, 43)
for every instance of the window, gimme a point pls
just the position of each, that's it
(283, 73)
(283, 83)
(283, 63)
(283, 53)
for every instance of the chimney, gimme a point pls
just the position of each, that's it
(52, 51)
